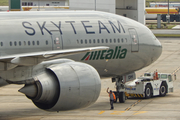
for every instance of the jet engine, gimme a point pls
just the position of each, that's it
(64, 86)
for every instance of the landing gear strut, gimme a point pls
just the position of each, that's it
(120, 94)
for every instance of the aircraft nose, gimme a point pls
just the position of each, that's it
(157, 49)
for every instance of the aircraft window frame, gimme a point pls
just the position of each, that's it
(33, 43)
(110, 40)
(29, 43)
(10, 43)
(81, 41)
(46, 42)
(90, 41)
(122, 40)
(114, 40)
(94, 41)
(1, 43)
(86, 41)
(118, 40)
(102, 40)
(106, 40)
(98, 41)
(19, 43)
(15, 43)
(38, 43)
(77, 41)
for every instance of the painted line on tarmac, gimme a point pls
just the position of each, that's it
(139, 112)
(117, 112)
(134, 104)
(122, 112)
(101, 112)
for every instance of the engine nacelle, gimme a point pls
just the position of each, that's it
(65, 86)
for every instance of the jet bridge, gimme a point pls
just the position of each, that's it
(134, 9)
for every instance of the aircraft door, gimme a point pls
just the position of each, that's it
(57, 42)
(134, 40)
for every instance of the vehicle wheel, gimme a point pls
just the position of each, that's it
(162, 91)
(148, 91)
(122, 97)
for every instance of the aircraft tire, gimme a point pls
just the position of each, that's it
(148, 91)
(122, 97)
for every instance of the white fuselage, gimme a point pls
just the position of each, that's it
(132, 45)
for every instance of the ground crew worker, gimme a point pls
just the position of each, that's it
(112, 98)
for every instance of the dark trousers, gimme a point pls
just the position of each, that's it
(111, 103)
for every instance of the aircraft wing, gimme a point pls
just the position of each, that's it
(28, 59)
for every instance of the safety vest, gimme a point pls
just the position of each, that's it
(113, 96)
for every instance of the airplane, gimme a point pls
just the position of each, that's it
(61, 56)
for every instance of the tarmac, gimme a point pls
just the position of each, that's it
(15, 106)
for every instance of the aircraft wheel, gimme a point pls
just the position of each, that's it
(122, 97)
(148, 91)
(162, 90)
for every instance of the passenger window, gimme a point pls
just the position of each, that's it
(98, 40)
(19, 43)
(24, 43)
(85, 41)
(1, 43)
(118, 40)
(114, 40)
(77, 41)
(102, 40)
(37, 42)
(15, 43)
(46, 42)
(81, 41)
(122, 40)
(29, 43)
(110, 40)
(10, 43)
(94, 41)
(106, 40)
(90, 41)
(33, 42)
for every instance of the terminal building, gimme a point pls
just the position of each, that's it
(134, 9)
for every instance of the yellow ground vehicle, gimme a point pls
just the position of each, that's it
(174, 13)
